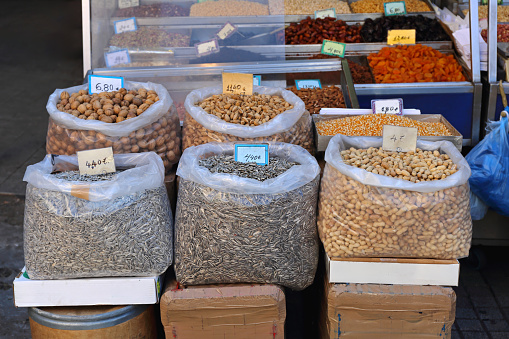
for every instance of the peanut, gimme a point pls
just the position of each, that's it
(357, 220)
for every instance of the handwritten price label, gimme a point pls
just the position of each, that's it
(399, 139)
(325, 13)
(238, 83)
(207, 47)
(125, 25)
(227, 30)
(309, 83)
(401, 36)
(387, 106)
(115, 58)
(96, 161)
(333, 48)
(98, 84)
(258, 153)
(395, 8)
(128, 3)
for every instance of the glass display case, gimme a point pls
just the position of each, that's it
(149, 37)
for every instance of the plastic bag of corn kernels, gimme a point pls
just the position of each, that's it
(292, 126)
(157, 129)
(363, 214)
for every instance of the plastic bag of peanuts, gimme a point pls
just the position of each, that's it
(281, 117)
(366, 214)
(155, 126)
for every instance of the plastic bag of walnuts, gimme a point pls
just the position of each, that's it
(156, 129)
(232, 229)
(363, 214)
(291, 126)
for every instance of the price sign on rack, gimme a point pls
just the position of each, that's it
(226, 31)
(207, 47)
(399, 139)
(128, 3)
(333, 48)
(238, 83)
(258, 153)
(125, 25)
(395, 8)
(98, 84)
(118, 57)
(257, 80)
(96, 161)
(401, 37)
(326, 13)
(308, 83)
(387, 106)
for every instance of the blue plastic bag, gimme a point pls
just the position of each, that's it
(489, 162)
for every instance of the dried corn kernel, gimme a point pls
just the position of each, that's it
(372, 125)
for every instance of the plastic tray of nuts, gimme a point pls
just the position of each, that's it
(375, 207)
(456, 138)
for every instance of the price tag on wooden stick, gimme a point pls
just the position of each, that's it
(401, 36)
(96, 161)
(308, 83)
(125, 25)
(238, 83)
(395, 8)
(326, 13)
(333, 48)
(258, 153)
(104, 83)
(226, 31)
(399, 139)
(128, 3)
(118, 57)
(207, 47)
(387, 106)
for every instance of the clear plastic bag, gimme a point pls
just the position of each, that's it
(125, 228)
(489, 161)
(230, 229)
(362, 214)
(292, 126)
(157, 129)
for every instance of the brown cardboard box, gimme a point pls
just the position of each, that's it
(236, 311)
(170, 183)
(388, 311)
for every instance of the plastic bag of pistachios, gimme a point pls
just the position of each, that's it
(375, 203)
(244, 222)
(115, 224)
(139, 118)
(270, 114)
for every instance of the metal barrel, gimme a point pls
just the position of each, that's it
(85, 322)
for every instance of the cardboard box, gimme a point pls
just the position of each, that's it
(223, 311)
(388, 311)
(86, 292)
(398, 271)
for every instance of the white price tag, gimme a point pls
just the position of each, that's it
(128, 3)
(258, 153)
(207, 47)
(326, 13)
(117, 58)
(308, 83)
(227, 30)
(96, 161)
(125, 25)
(387, 106)
(399, 139)
(257, 80)
(98, 84)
